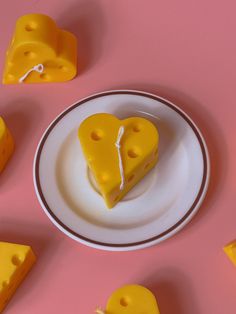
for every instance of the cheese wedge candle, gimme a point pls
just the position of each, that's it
(40, 52)
(15, 262)
(119, 153)
(6, 144)
(131, 299)
(230, 251)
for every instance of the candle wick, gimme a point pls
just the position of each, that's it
(38, 68)
(118, 145)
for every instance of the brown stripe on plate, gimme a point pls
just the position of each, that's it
(132, 244)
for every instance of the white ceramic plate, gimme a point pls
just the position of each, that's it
(159, 206)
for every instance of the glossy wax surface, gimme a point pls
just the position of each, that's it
(38, 43)
(181, 50)
(15, 262)
(132, 299)
(99, 136)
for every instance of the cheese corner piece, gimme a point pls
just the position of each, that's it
(15, 262)
(6, 144)
(38, 40)
(138, 148)
(230, 251)
(132, 299)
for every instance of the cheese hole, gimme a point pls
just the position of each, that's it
(31, 27)
(97, 135)
(30, 54)
(16, 260)
(4, 284)
(44, 77)
(63, 68)
(124, 301)
(137, 128)
(131, 178)
(133, 153)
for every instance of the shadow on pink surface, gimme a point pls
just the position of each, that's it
(85, 20)
(216, 143)
(44, 245)
(173, 292)
(21, 116)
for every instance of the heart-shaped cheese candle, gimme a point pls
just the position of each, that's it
(40, 52)
(132, 299)
(114, 156)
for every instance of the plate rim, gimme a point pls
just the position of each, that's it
(132, 245)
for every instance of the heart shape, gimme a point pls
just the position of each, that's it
(136, 152)
(132, 299)
(37, 41)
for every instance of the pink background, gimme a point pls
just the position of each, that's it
(182, 50)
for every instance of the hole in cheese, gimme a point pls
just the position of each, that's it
(133, 152)
(31, 26)
(124, 301)
(44, 76)
(4, 284)
(137, 128)
(16, 260)
(30, 54)
(63, 68)
(97, 135)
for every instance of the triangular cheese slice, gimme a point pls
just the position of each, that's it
(15, 262)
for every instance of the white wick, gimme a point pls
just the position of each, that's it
(120, 134)
(38, 68)
(99, 311)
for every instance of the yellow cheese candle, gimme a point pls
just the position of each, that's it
(230, 250)
(15, 262)
(6, 144)
(119, 153)
(131, 299)
(40, 52)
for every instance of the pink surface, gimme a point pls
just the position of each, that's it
(182, 50)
